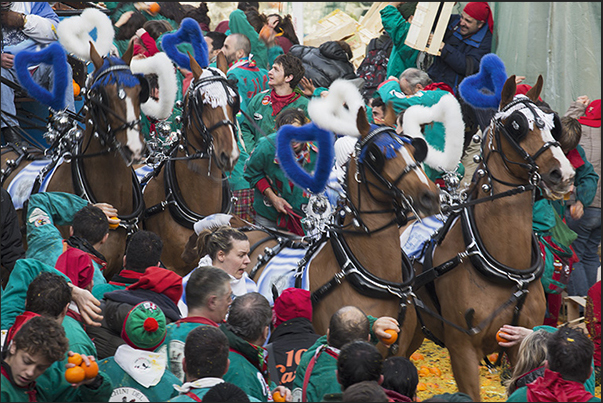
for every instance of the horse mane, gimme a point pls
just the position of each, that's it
(120, 77)
(386, 143)
(214, 94)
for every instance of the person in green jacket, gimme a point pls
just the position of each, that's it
(274, 193)
(239, 24)
(89, 228)
(205, 363)
(445, 136)
(246, 329)
(39, 343)
(143, 331)
(396, 21)
(316, 372)
(568, 366)
(286, 73)
(208, 296)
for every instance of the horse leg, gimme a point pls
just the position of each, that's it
(464, 360)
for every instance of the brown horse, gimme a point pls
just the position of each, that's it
(357, 261)
(484, 270)
(98, 165)
(192, 184)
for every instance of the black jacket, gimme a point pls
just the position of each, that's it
(324, 64)
(115, 306)
(286, 345)
(11, 246)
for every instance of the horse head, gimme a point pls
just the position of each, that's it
(211, 106)
(527, 139)
(114, 101)
(390, 167)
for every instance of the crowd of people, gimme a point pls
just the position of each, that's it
(210, 336)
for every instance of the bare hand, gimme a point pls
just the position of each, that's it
(308, 87)
(87, 360)
(280, 204)
(384, 323)
(88, 306)
(110, 212)
(284, 391)
(577, 210)
(519, 79)
(583, 99)
(124, 18)
(514, 335)
(7, 60)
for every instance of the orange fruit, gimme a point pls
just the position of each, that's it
(91, 371)
(416, 356)
(75, 374)
(113, 226)
(421, 386)
(500, 337)
(493, 357)
(75, 359)
(436, 371)
(393, 336)
(154, 8)
(278, 397)
(76, 89)
(424, 371)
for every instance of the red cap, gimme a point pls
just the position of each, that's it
(77, 265)
(480, 10)
(523, 90)
(292, 303)
(592, 116)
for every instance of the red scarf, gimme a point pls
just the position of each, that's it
(574, 158)
(442, 86)
(30, 389)
(279, 102)
(196, 319)
(553, 388)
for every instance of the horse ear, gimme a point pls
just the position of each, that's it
(195, 68)
(189, 254)
(221, 62)
(97, 60)
(362, 123)
(534, 92)
(508, 92)
(390, 115)
(127, 57)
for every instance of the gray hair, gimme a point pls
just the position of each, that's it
(416, 76)
(249, 315)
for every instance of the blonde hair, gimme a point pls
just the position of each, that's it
(531, 355)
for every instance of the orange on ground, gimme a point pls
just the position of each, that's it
(75, 359)
(436, 371)
(393, 336)
(76, 89)
(91, 371)
(416, 356)
(493, 357)
(75, 374)
(154, 8)
(500, 337)
(424, 371)
(278, 397)
(421, 386)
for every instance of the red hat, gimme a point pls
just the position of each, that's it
(523, 90)
(480, 10)
(592, 117)
(292, 303)
(160, 280)
(77, 265)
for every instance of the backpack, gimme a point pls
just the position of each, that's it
(373, 68)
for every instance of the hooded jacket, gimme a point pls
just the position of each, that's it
(324, 64)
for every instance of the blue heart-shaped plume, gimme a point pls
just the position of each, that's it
(54, 55)
(324, 163)
(189, 32)
(483, 90)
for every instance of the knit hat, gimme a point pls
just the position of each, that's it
(162, 281)
(292, 303)
(480, 10)
(77, 265)
(592, 116)
(144, 327)
(408, 9)
(523, 90)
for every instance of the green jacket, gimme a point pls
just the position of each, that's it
(402, 56)
(235, 177)
(260, 110)
(262, 164)
(44, 240)
(200, 392)
(11, 392)
(250, 80)
(238, 24)
(323, 379)
(124, 384)
(435, 134)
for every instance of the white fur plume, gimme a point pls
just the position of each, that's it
(448, 112)
(330, 114)
(161, 65)
(74, 33)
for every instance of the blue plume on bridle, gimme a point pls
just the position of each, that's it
(386, 143)
(54, 55)
(123, 77)
(190, 32)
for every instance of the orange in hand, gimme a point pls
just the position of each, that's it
(76, 89)
(154, 8)
(500, 337)
(75, 359)
(278, 397)
(113, 226)
(393, 336)
(90, 371)
(75, 374)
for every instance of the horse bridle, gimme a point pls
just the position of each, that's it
(403, 204)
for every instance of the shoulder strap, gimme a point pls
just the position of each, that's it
(311, 367)
(272, 369)
(193, 396)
